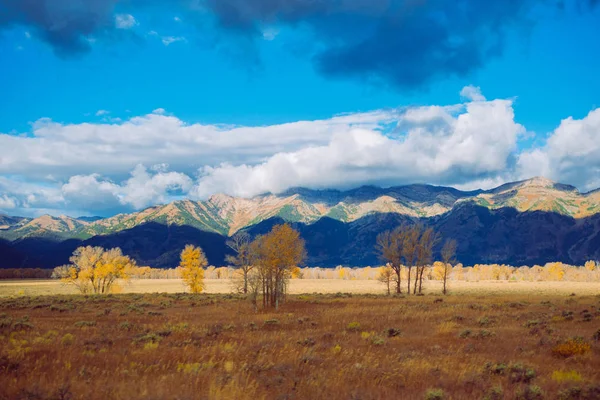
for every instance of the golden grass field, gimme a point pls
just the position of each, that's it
(300, 286)
(327, 346)
(333, 339)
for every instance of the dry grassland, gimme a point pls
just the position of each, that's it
(300, 286)
(328, 346)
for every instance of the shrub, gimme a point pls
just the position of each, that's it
(434, 394)
(531, 392)
(67, 339)
(568, 315)
(366, 335)
(566, 376)
(495, 393)
(353, 327)
(531, 323)
(571, 347)
(392, 332)
(458, 318)
(482, 334)
(154, 313)
(5, 322)
(520, 373)
(151, 346)
(590, 392)
(126, 326)
(22, 325)
(148, 338)
(308, 342)
(596, 336)
(84, 324)
(465, 334)
(378, 340)
(496, 369)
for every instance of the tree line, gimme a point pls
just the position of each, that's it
(266, 263)
(263, 265)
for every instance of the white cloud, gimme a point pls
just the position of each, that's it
(177, 19)
(125, 21)
(472, 93)
(100, 113)
(7, 202)
(142, 189)
(437, 147)
(270, 34)
(167, 40)
(28, 35)
(99, 167)
(114, 148)
(571, 153)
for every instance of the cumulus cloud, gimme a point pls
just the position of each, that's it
(571, 153)
(434, 145)
(104, 168)
(472, 93)
(95, 194)
(142, 189)
(116, 148)
(7, 202)
(125, 21)
(100, 113)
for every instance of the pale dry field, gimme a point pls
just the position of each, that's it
(302, 286)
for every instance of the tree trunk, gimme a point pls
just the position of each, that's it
(445, 277)
(409, 270)
(416, 280)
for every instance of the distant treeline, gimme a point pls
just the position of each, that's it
(550, 272)
(25, 273)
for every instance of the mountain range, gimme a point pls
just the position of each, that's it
(525, 222)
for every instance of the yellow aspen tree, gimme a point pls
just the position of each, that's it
(96, 270)
(555, 271)
(590, 265)
(192, 263)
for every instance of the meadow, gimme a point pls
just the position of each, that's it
(469, 345)
(31, 287)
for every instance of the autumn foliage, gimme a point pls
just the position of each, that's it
(275, 256)
(96, 270)
(191, 266)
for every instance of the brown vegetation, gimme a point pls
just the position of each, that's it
(25, 273)
(316, 346)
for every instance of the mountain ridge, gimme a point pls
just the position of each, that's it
(520, 223)
(225, 214)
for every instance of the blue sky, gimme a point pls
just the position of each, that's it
(88, 68)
